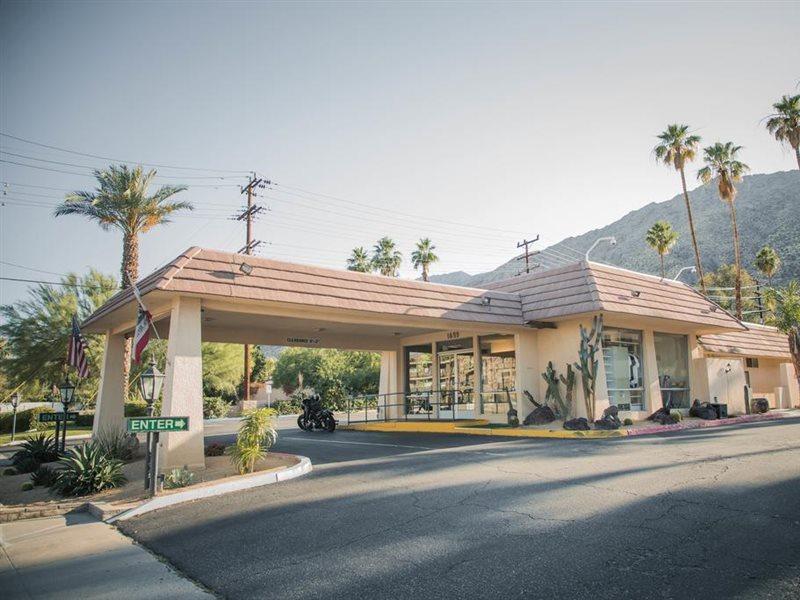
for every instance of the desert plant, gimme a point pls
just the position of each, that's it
(677, 415)
(569, 383)
(115, 442)
(553, 392)
(26, 487)
(214, 449)
(386, 258)
(44, 476)
(424, 256)
(627, 422)
(587, 355)
(178, 478)
(9, 471)
(661, 237)
(41, 449)
(215, 407)
(768, 262)
(359, 261)
(784, 124)
(256, 435)
(87, 470)
(511, 415)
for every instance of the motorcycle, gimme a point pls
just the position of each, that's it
(315, 416)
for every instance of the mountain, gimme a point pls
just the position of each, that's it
(767, 211)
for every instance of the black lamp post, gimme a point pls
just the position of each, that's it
(14, 405)
(150, 382)
(66, 391)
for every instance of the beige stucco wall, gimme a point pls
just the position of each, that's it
(726, 387)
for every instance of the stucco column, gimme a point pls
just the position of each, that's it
(109, 409)
(526, 353)
(389, 384)
(183, 387)
(791, 395)
(650, 381)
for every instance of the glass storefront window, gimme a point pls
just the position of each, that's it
(498, 373)
(622, 357)
(419, 378)
(672, 357)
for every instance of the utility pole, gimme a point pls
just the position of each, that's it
(526, 243)
(250, 244)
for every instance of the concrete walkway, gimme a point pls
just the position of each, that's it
(76, 556)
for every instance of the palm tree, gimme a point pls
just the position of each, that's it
(423, 256)
(359, 261)
(386, 258)
(784, 124)
(768, 262)
(661, 237)
(677, 148)
(722, 165)
(785, 305)
(121, 201)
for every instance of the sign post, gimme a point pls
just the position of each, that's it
(155, 425)
(58, 418)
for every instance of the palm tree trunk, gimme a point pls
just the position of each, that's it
(697, 263)
(129, 273)
(661, 256)
(797, 155)
(737, 286)
(424, 272)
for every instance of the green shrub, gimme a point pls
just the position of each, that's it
(34, 424)
(26, 486)
(115, 442)
(677, 415)
(627, 422)
(85, 420)
(287, 407)
(41, 449)
(9, 471)
(178, 478)
(87, 470)
(27, 465)
(214, 449)
(135, 409)
(44, 476)
(215, 407)
(256, 435)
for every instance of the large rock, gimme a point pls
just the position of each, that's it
(540, 416)
(609, 420)
(703, 411)
(663, 417)
(759, 405)
(579, 424)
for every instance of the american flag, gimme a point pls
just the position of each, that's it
(76, 353)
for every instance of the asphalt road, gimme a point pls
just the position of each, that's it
(711, 514)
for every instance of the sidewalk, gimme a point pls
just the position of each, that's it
(76, 556)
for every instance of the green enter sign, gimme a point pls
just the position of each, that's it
(145, 424)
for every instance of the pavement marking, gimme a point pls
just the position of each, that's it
(289, 437)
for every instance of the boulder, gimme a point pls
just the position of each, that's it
(703, 411)
(579, 424)
(663, 417)
(759, 405)
(609, 420)
(540, 416)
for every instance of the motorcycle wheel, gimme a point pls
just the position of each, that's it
(302, 423)
(329, 423)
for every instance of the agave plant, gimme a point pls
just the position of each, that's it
(39, 449)
(88, 470)
(256, 436)
(178, 478)
(115, 442)
(44, 476)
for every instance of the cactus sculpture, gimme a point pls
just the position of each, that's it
(587, 355)
(553, 393)
(569, 397)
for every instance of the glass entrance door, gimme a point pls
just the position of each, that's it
(456, 385)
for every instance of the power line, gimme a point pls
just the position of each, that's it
(80, 285)
(119, 160)
(10, 264)
(526, 242)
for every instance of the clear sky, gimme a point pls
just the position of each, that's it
(472, 123)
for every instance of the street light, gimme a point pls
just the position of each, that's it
(66, 391)
(150, 382)
(690, 269)
(611, 240)
(14, 405)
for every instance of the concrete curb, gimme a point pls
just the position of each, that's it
(686, 426)
(235, 484)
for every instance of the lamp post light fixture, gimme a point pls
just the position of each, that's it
(150, 382)
(66, 391)
(690, 269)
(14, 405)
(611, 240)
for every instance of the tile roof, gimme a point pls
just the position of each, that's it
(757, 341)
(592, 287)
(215, 273)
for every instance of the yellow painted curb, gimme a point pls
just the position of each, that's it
(473, 427)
